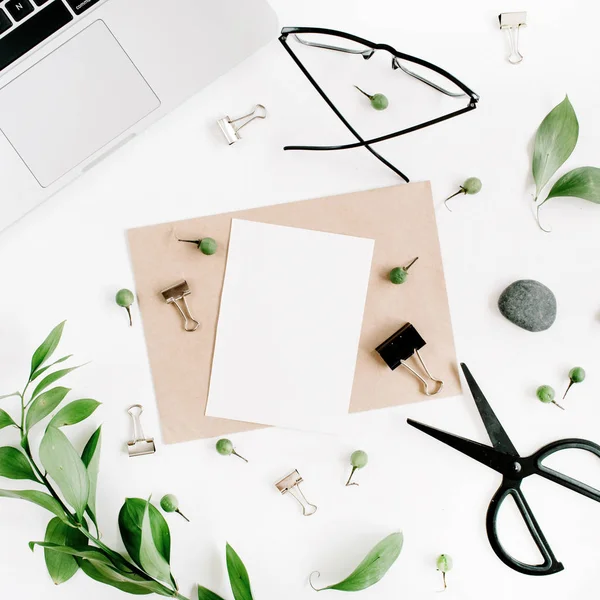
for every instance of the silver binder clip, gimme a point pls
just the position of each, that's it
(140, 445)
(231, 131)
(399, 347)
(511, 23)
(176, 294)
(291, 483)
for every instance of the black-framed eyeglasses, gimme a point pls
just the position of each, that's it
(417, 68)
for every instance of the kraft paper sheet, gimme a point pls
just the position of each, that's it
(400, 219)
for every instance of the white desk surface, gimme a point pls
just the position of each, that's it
(67, 259)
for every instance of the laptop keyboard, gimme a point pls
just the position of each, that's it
(25, 24)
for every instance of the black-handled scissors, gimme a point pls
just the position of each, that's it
(503, 457)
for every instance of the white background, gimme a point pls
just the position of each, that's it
(68, 258)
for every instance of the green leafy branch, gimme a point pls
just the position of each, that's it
(70, 481)
(555, 141)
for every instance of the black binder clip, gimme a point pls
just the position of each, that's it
(399, 347)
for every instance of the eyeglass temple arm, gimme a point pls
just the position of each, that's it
(339, 114)
(387, 136)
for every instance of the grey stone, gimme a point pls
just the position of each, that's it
(528, 304)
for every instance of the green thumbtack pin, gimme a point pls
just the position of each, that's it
(124, 298)
(225, 448)
(170, 504)
(207, 246)
(378, 101)
(546, 394)
(399, 275)
(576, 375)
(358, 460)
(444, 564)
(471, 186)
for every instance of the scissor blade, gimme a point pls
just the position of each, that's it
(498, 436)
(486, 455)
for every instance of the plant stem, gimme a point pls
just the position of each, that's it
(537, 215)
(44, 479)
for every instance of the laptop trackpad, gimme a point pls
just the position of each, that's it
(73, 103)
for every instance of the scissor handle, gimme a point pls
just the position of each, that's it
(560, 478)
(551, 564)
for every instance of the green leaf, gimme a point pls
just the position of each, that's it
(373, 567)
(45, 351)
(131, 517)
(14, 465)
(205, 594)
(578, 183)
(63, 464)
(90, 553)
(43, 405)
(44, 369)
(91, 459)
(6, 420)
(97, 555)
(75, 412)
(50, 379)
(151, 559)
(555, 140)
(129, 584)
(62, 567)
(238, 576)
(40, 498)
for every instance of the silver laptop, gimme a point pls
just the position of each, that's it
(79, 78)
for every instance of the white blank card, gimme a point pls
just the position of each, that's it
(289, 326)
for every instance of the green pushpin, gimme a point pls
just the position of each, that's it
(125, 298)
(207, 246)
(225, 448)
(399, 275)
(444, 564)
(576, 375)
(546, 394)
(358, 460)
(169, 504)
(471, 186)
(378, 101)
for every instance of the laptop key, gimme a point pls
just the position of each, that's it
(40, 2)
(19, 9)
(80, 6)
(32, 32)
(5, 22)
